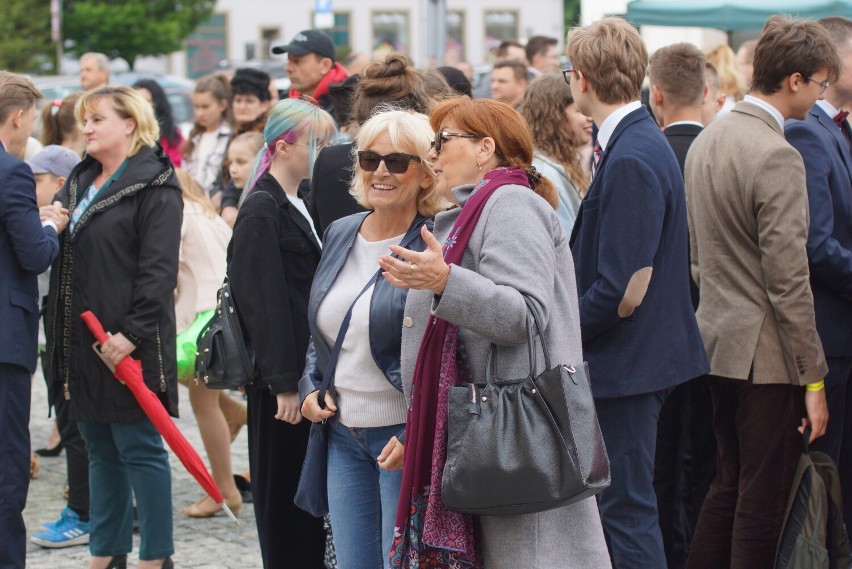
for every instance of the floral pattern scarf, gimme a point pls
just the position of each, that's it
(427, 534)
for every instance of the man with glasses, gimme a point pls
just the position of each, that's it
(748, 215)
(629, 244)
(823, 140)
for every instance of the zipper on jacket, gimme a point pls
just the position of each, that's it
(65, 391)
(160, 357)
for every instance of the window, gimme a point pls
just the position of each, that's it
(390, 32)
(207, 46)
(455, 48)
(268, 37)
(500, 25)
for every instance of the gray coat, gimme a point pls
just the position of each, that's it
(518, 246)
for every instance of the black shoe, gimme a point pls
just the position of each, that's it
(244, 486)
(118, 562)
(50, 452)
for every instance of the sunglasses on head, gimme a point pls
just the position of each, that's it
(442, 136)
(395, 162)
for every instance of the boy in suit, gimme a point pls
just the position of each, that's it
(748, 216)
(686, 451)
(629, 246)
(822, 141)
(28, 245)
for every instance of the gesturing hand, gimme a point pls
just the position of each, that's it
(421, 270)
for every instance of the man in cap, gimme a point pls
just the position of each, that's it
(312, 66)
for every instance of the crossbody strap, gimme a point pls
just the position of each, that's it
(328, 374)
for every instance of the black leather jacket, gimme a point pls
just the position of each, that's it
(386, 305)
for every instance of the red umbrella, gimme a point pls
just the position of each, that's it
(129, 372)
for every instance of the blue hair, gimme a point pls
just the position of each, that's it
(287, 120)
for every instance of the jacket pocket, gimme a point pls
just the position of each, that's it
(23, 300)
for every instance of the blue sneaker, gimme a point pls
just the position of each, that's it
(53, 525)
(66, 532)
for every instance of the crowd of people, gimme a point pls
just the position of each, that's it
(389, 229)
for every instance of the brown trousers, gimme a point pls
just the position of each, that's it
(758, 448)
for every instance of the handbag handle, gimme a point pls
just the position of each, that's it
(328, 374)
(533, 319)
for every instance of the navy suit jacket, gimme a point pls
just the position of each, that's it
(26, 249)
(633, 217)
(828, 167)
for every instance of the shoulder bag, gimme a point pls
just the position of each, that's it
(523, 445)
(312, 491)
(224, 359)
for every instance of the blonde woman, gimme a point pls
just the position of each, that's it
(203, 247)
(395, 182)
(119, 259)
(731, 81)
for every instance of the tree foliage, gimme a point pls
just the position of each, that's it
(25, 31)
(132, 28)
(572, 14)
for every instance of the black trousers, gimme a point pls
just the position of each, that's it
(289, 537)
(684, 465)
(758, 449)
(76, 457)
(15, 395)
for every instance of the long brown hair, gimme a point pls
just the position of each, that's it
(220, 88)
(513, 140)
(543, 106)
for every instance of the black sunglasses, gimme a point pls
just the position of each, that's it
(395, 162)
(443, 135)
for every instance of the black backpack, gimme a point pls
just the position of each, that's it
(814, 536)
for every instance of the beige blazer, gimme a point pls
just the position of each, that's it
(203, 250)
(748, 217)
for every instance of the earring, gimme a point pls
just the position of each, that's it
(480, 165)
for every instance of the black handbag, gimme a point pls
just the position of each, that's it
(526, 445)
(224, 358)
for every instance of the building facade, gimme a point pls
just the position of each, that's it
(245, 29)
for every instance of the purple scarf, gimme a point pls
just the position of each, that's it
(426, 533)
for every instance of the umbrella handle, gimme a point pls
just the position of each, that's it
(97, 349)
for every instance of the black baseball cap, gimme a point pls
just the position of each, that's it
(308, 41)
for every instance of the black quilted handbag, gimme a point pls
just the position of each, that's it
(224, 359)
(525, 445)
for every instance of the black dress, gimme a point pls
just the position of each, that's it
(272, 258)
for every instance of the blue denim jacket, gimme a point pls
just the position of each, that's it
(386, 305)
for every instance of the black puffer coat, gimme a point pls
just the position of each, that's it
(121, 262)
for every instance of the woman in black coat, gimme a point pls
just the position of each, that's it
(119, 259)
(272, 258)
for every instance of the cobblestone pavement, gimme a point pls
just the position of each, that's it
(212, 543)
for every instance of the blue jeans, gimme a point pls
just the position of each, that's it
(127, 459)
(362, 498)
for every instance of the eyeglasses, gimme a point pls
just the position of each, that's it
(823, 85)
(566, 74)
(319, 144)
(441, 136)
(395, 162)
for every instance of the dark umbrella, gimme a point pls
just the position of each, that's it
(129, 372)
